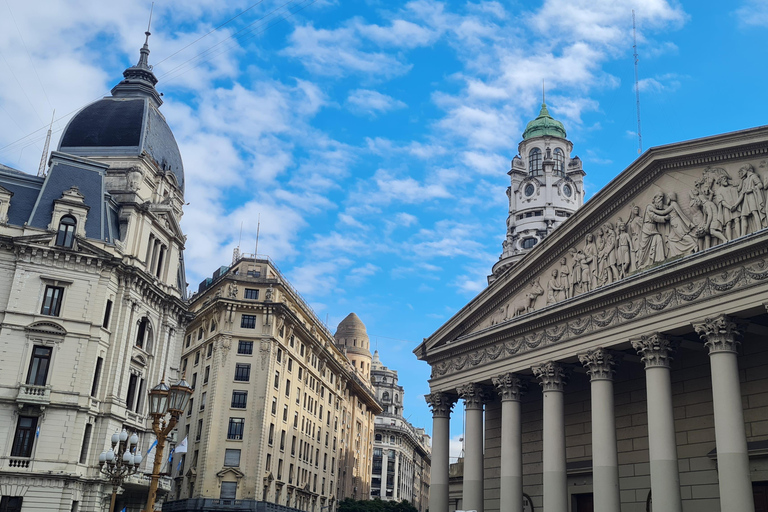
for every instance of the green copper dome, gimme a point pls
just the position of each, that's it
(543, 125)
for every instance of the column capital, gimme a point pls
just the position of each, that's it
(474, 395)
(552, 376)
(719, 333)
(509, 386)
(441, 404)
(599, 363)
(655, 350)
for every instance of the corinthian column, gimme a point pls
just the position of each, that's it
(441, 404)
(656, 351)
(605, 462)
(719, 335)
(509, 387)
(472, 496)
(552, 377)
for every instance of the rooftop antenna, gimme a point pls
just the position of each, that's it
(543, 93)
(44, 158)
(258, 226)
(637, 85)
(236, 252)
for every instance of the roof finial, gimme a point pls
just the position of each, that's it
(144, 58)
(543, 94)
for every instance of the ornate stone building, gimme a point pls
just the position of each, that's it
(621, 363)
(92, 300)
(401, 452)
(279, 414)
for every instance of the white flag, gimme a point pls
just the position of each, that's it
(182, 446)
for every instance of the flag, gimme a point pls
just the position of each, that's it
(37, 432)
(170, 455)
(180, 463)
(124, 509)
(182, 446)
(152, 446)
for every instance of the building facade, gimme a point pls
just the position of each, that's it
(91, 300)
(279, 415)
(621, 364)
(401, 452)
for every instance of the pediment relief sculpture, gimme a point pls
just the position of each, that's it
(681, 213)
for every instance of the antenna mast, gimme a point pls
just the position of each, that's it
(44, 158)
(258, 226)
(637, 85)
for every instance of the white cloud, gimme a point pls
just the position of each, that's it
(371, 102)
(753, 13)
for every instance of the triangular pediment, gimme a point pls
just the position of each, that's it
(673, 202)
(230, 471)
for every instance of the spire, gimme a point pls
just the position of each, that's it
(144, 57)
(139, 80)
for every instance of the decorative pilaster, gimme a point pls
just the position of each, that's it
(510, 388)
(656, 351)
(552, 377)
(441, 404)
(600, 365)
(474, 397)
(719, 335)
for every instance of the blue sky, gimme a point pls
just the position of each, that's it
(373, 138)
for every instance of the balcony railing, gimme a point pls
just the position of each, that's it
(35, 395)
(19, 462)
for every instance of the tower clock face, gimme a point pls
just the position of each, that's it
(529, 190)
(567, 190)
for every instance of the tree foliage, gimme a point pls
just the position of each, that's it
(377, 505)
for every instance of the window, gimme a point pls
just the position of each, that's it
(288, 387)
(285, 413)
(534, 162)
(197, 358)
(107, 313)
(202, 402)
(279, 356)
(271, 437)
(133, 381)
(245, 347)
(200, 332)
(86, 443)
(184, 365)
(207, 374)
(210, 350)
(528, 243)
(189, 340)
(231, 457)
(66, 234)
(24, 437)
(242, 372)
(143, 333)
(248, 322)
(38, 366)
(228, 491)
(559, 161)
(274, 405)
(239, 399)
(194, 380)
(52, 300)
(11, 503)
(251, 294)
(199, 433)
(96, 377)
(277, 380)
(191, 406)
(282, 440)
(236, 428)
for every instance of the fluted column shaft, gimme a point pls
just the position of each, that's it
(656, 353)
(552, 378)
(605, 460)
(510, 388)
(441, 404)
(472, 491)
(719, 335)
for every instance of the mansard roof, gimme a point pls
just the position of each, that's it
(677, 183)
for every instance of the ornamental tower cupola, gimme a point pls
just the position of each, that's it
(546, 187)
(352, 339)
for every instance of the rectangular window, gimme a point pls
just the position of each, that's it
(86, 443)
(24, 437)
(236, 428)
(189, 339)
(228, 491)
(191, 406)
(231, 457)
(133, 380)
(245, 347)
(197, 358)
(277, 380)
(239, 399)
(202, 402)
(248, 322)
(52, 300)
(38, 366)
(285, 413)
(288, 387)
(242, 372)
(96, 377)
(271, 438)
(274, 405)
(139, 396)
(107, 314)
(11, 503)
(282, 440)
(210, 350)
(280, 469)
(252, 294)
(290, 364)
(279, 355)
(199, 433)
(269, 462)
(194, 380)
(207, 374)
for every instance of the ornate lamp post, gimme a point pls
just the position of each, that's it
(162, 400)
(120, 461)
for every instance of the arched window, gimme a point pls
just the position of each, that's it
(559, 161)
(378, 437)
(144, 335)
(534, 162)
(385, 396)
(397, 398)
(66, 235)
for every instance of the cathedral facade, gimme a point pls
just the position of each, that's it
(620, 364)
(91, 300)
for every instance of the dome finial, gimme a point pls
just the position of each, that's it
(144, 58)
(543, 94)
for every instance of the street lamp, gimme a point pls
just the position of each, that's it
(120, 461)
(162, 400)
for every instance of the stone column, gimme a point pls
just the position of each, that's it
(552, 377)
(472, 492)
(510, 388)
(441, 404)
(656, 351)
(605, 461)
(719, 335)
